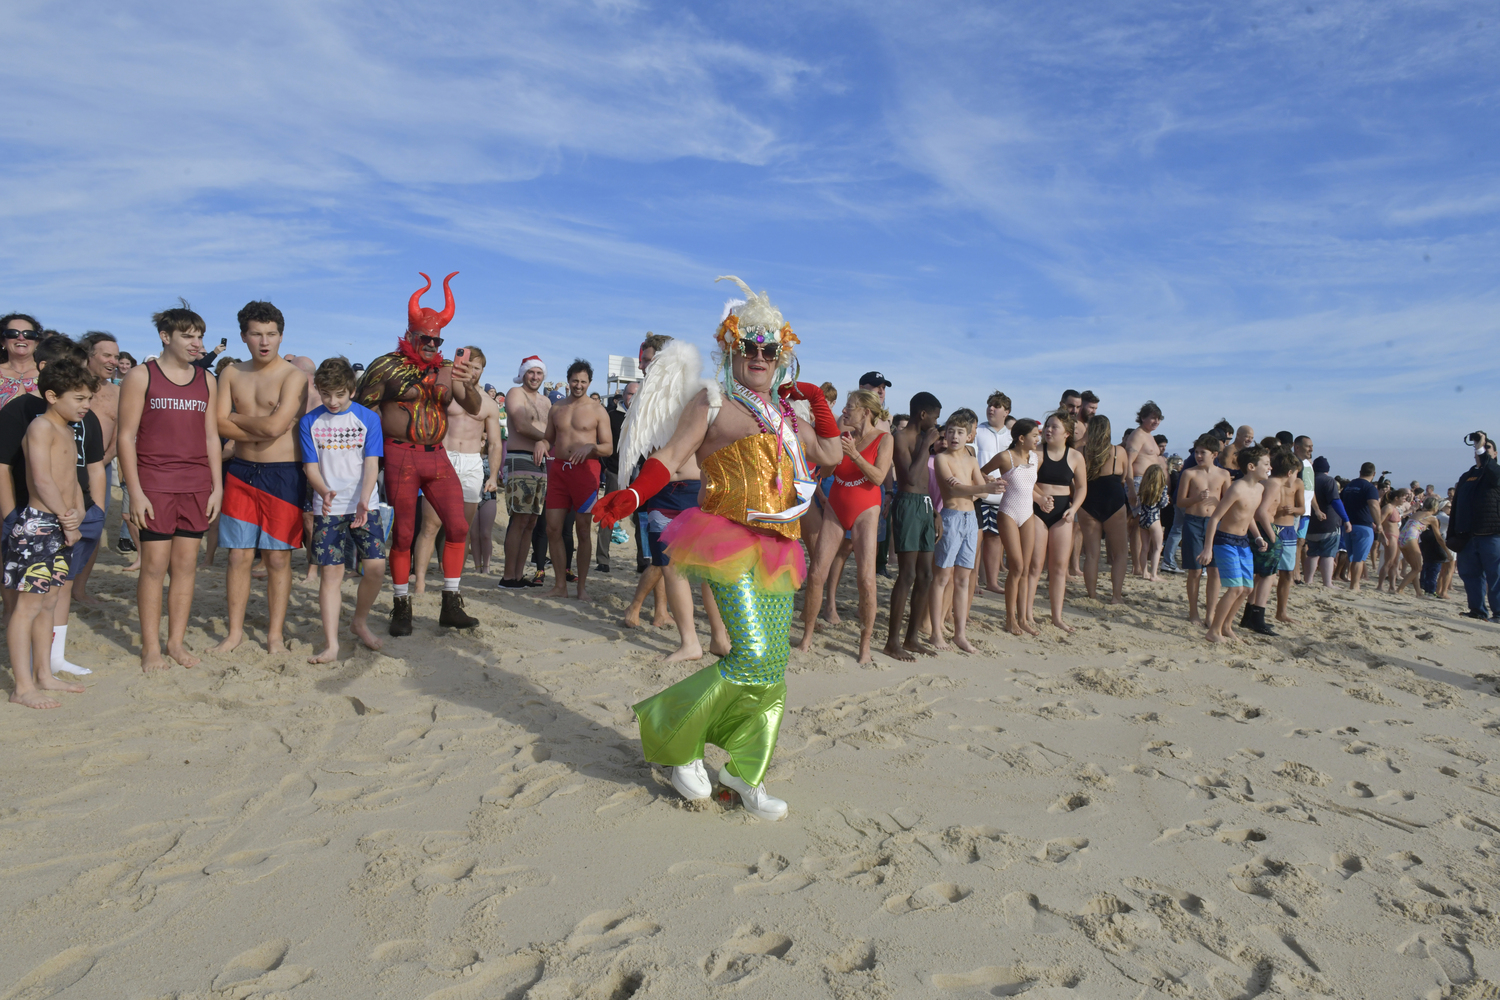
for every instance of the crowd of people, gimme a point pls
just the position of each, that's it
(378, 467)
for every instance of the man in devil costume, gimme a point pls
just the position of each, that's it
(410, 388)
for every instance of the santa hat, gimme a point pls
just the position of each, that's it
(527, 364)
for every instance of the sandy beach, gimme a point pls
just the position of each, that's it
(1124, 812)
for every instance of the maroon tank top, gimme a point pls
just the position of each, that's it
(171, 451)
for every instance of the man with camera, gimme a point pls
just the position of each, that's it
(1474, 529)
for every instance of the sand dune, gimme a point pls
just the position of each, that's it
(1124, 812)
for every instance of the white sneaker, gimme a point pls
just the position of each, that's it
(691, 780)
(70, 668)
(755, 800)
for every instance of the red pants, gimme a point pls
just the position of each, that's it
(409, 468)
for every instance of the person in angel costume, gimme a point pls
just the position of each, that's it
(753, 448)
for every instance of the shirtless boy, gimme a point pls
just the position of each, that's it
(1198, 491)
(468, 434)
(1277, 516)
(960, 480)
(577, 436)
(104, 351)
(260, 402)
(40, 542)
(526, 410)
(1232, 536)
(169, 458)
(1142, 451)
(913, 525)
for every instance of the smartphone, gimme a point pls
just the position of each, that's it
(462, 354)
(223, 341)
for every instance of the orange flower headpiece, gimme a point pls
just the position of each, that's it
(755, 320)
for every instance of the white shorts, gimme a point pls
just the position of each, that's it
(470, 469)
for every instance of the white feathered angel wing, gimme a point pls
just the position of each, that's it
(674, 378)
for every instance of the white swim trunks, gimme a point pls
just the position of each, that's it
(470, 469)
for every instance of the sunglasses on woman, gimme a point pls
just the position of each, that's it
(766, 352)
(22, 335)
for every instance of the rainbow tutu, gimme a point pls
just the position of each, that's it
(708, 547)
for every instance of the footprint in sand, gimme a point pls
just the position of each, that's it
(55, 974)
(769, 876)
(1025, 913)
(1007, 981)
(263, 968)
(859, 956)
(751, 950)
(1240, 836)
(256, 864)
(930, 897)
(607, 930)
(1346, 865)
(506, 977)
(1059, 849)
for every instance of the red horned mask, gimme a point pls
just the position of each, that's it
(429, 321)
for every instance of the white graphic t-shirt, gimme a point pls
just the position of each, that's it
(340, 443)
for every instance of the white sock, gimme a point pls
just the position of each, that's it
(401, 589)
(451, 583)
(59, 642)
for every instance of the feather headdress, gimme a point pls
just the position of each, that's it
(752, 318)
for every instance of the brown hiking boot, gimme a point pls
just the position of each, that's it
(453, 615)
(401, 616)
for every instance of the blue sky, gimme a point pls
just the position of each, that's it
(1282, 213)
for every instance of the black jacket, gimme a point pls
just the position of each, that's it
(1476, 503)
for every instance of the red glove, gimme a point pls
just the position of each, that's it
(823, 419)
(622, 503)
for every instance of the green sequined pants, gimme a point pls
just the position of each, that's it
(735, 704)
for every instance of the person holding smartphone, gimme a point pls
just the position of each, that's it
(208, 359)
(411, 388)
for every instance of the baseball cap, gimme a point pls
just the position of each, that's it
(875, 378)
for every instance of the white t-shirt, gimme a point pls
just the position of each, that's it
(1307, 491)
(988, 443)
(340, 443)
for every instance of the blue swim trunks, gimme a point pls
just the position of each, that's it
(262, 505)
(1361, 539)
(662, 509)
(1193, 530)
(1233, 557)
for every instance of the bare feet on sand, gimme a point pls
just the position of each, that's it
(962, 643)
(691, 649)
(87, 600)
(718, 649)
(370, 639)
(561, 590)
(895, 652)
(180, 653)
(35, 699)
(1065, 627)
(152, 663)
(915, 646)
(230, 644)
(327, 656)
(133, 567)
(1029, 627)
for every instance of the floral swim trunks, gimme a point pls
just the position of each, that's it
(36, 553)
(336, 540)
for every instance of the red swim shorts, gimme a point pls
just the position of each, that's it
(572, 487)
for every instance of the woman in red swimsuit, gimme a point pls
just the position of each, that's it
(855, 502)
